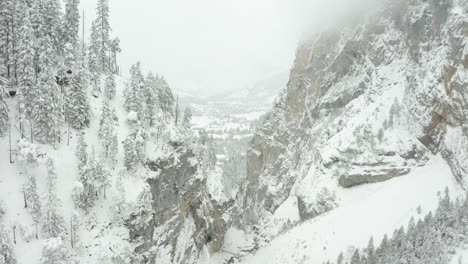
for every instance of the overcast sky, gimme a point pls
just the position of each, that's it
(207, 46)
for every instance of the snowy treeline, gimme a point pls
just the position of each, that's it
(44, 61)
(430, 240)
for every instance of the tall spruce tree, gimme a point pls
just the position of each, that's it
(109, 88)
(71, 28)
(107, 131)
(6, 247)
(32, 200)
(4, 118)
(103, 32)
(78, 108)
(46, 112)
(53, 222)
(134, 92)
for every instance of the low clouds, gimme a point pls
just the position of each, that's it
(208, 46)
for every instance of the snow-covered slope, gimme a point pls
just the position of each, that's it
(372, 124)
(365, 211)
(100, 230)
(365, 104)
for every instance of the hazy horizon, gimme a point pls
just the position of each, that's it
(211, 46)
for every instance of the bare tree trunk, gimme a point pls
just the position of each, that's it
(9, 140)
(32, 135)
(25, 200)
(71, 232)
(14, 234)
(68, 141)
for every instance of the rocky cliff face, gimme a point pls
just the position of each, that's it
(186, 221)
(365, 103)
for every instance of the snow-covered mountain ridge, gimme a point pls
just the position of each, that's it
(365, 104)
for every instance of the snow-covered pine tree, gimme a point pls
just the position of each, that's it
(103, 31)
(120, 201)
(4, 119)
(102, 177)
(93, 52)
(33, 201)
(78, 108)
(88, 180)
(340, 259)
(94, 179)
(166, 98)
(109, 87)
(25, 64)
(46, 112)
(130, 153)
(7, 19)
(134, 148)
(74, 229)
(187, 117)
(52, 19)
(6, 247)
(151, 100)
(71, 28)
(177, 112)
(54, 251)
(134, 92)
(53, 223)
(107, 131)
(114, 49)
(356, 258)
(81, 153)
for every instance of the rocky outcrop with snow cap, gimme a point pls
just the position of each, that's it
(365, 103)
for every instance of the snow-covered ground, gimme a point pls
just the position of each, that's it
(99, 231)
(366, 211)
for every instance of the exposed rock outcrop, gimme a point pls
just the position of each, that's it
(364, 104)
(185, 220)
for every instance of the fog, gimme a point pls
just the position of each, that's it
(208, 46)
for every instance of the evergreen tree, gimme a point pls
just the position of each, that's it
(134, 92)
(133, 149)
(165, 97)
(32, 200)
(120, 201)
(109, 90)
(52, 14)
(356, 258)
(370, 251)
(4, 119)
(53, 222)
(45, 105)
(6, 247)
(151, 99)
(177, 112)
(187, 117)
(71, 28)
(78, 108)
(54, 251)
(114, 49)
(26, 53)
(94, 179)
(107, 131)
(93, 53)
(81, 153)
(340, 259)
(103, 31)
(74, 229)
